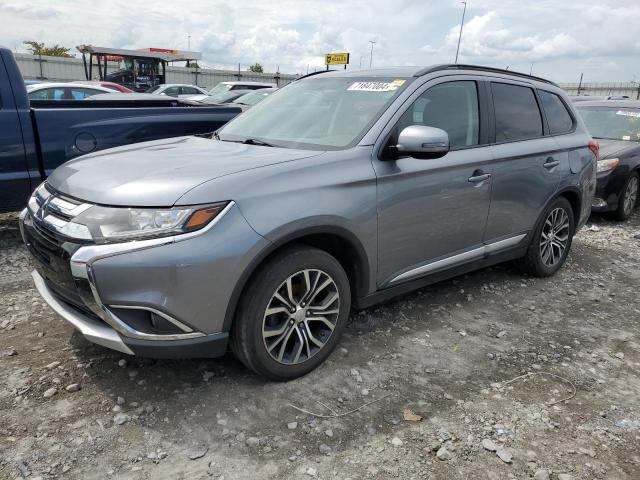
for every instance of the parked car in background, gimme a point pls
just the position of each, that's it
(224, 87)
(64, 91)
(252, 98)
(110, 85)
(33, 82)
(177, 90)
(592, 98)
(616, 126)
(345, 188)
(36, 136)
(218, 99)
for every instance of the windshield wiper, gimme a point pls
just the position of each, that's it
(255, 141)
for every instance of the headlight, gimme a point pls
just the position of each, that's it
(607, 164)
(111, 224)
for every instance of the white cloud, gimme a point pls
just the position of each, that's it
(561, 38)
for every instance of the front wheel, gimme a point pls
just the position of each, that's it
(292, 313)
(628, 198)
(551, 240)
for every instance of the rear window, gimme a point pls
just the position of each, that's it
(558, 117)
(517, 116)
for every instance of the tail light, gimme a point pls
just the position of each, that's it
(595, 148)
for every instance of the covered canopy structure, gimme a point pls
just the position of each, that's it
(139, 69)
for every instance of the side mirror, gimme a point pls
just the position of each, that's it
(421, 141)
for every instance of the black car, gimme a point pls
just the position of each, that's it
(616, 126)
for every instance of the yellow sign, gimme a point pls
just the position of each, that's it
(336, 59)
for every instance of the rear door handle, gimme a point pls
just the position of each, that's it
(479, 176)
(551, 163)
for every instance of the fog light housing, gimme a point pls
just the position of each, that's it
(598, 203)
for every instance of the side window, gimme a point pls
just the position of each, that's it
(517, 115)
(81, 93)
(451, 106)
(558, 117)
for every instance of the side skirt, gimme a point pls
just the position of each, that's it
(390, 292)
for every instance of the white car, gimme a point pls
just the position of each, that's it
(64, 91)
(177, 90)
(224, 87)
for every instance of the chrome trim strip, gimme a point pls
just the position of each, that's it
(439, 264)
(60, 205)
(453, 260)
(168, 318)
(503, 244)
(90, 253)
(94, 332)
(110, 318)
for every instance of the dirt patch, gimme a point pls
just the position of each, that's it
(445, 353)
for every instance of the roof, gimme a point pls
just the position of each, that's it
(609, 103)
(169, 56)
(271, 84)
(421, 71)
(40, 86)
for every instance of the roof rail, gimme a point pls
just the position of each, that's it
(458, 66)
(313, 73)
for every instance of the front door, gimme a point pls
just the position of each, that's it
(432, 212)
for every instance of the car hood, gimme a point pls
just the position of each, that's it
(613, 148)
(158, 173)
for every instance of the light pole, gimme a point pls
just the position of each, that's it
(371, 57)
(460, 34)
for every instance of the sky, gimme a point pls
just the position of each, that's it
(558, 40)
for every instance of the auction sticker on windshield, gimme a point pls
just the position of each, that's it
(628, 113)
(375, 86)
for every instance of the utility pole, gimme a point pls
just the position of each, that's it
(371, 57)
(189, 49)
(531, 69)
(580, 83)
(361, 56)
(460, 34)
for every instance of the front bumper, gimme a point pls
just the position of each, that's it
(608, 188)
(108, 292)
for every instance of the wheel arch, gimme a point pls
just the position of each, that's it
(335, 240)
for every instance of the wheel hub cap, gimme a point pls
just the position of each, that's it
(301, 316)
(555, 237)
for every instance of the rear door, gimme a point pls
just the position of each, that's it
(528, 162)
(432, 213)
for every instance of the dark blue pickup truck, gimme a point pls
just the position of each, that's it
(37, 137)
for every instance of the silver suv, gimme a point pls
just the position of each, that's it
(338, 191)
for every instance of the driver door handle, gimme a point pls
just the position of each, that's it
(479, 176)
(551, 163)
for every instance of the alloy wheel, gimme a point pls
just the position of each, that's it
(555, 237)
(301, 316)
(631, 195)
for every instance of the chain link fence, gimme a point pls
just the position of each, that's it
(60, 69)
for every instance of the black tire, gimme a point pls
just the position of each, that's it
(247, 340)
(533, 262)
(622, 213)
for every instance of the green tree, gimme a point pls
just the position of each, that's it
(37, 48)
(193, 65)
(256, 68)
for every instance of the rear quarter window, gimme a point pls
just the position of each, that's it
(517, 116)
(558, 117)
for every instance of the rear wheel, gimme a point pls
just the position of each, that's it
(551, 240)
(628, 198)
(292, 313)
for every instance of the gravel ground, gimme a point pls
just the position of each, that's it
(490, 375)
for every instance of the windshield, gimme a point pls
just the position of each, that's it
(220, 88)
(317, 113)
(254, 97)
(224, 97)
(612, 123)
(153, 89)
